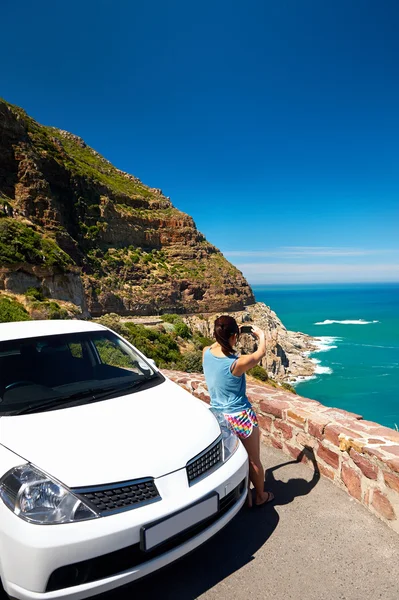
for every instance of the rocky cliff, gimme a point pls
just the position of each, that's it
(85, 232)
(99, 241)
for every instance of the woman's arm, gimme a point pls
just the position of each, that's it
(246, 362)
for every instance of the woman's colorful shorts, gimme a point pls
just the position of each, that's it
(243, 422)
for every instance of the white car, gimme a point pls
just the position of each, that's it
(108, 470)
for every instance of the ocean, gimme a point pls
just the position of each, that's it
(357, 327)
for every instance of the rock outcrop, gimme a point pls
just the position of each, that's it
(63, 286)
(134, 252)
(287, 351)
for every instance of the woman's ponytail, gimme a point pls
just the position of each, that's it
(225, 327)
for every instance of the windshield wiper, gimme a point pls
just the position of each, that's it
(59, 400)
(92, 394)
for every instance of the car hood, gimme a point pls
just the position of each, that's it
(146, 434)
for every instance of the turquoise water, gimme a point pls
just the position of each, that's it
(359, 362)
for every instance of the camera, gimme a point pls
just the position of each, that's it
(246, 329)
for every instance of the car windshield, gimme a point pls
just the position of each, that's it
(49, 372)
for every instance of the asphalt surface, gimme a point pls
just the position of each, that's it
(312, 543)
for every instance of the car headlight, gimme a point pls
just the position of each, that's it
(230, 441)
(37, 498)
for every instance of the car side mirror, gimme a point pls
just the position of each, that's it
(152, 362)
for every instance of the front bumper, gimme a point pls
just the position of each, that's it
(29, 553)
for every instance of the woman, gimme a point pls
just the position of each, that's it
(225, 376)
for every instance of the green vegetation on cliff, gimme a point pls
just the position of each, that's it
(84, 161)
(48, 309)
(76, 155)
(259, 373)
(11, 310)
(20, 243)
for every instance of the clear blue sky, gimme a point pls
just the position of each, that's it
(275, 124)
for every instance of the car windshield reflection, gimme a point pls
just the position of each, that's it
(81, 366)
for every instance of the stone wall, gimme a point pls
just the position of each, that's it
(359, 456)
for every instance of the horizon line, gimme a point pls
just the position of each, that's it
(388, 282)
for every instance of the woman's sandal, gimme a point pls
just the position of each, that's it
(270, 497)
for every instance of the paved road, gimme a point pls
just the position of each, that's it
(314, 543)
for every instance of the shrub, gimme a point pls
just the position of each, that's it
(11, 310)
(171, 318)
(113, 261)
(201, 341)
(288, 387)
(112, 321)
(182, 330)
(91, 232)
(56, 312)
(20, 243)
(34, 294)
(48, 310)
(259, 373)
(191, 362)
(155, 344)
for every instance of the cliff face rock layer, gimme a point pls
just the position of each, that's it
(91, 234)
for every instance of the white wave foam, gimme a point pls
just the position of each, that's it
(320, 370)
(324, 348)
(375, 346)
(324, 343)
(323, 370)
(346, 322)
(302, 379)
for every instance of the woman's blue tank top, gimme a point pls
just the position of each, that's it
(227, 392)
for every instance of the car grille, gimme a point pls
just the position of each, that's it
(107, 499)
(208, 460)
(116, 562)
